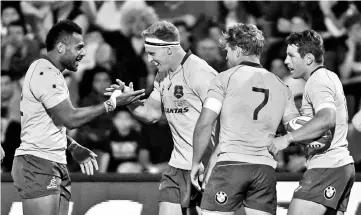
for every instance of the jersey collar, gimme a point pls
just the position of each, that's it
(320, 67)
(249, 63)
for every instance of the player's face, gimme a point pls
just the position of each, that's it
(295, 63)
(158, 56)
(231, 57)
(74, 52)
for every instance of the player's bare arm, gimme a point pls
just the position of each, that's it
(202, 135)
(324, 120)
(211, 163)
(148, 110)
(65, 114)
(83, 156)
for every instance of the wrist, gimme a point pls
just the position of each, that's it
(72, 146)
(289, 137)
(110, 105)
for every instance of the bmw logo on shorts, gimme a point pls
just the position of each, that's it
(221, 197)
(329, 192)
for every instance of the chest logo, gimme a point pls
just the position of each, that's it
(178, 91)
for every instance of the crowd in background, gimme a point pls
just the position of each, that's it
(114, 49)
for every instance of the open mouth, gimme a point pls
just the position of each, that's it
(156, 63)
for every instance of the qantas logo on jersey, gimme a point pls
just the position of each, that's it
(176, 110)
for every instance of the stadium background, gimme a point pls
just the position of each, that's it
(131, 154)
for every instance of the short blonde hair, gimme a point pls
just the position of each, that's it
(163, 30)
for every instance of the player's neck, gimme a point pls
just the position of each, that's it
(310, 70)
(178, 57)
(54, 59)
(253, 59)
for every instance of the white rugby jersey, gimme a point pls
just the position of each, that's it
(44, 87)
(324, 90)
(182, 95)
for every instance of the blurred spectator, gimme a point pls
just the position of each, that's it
(350, 66)
(41, 15)
(125, 140)
(185, 35)
(95, 134)
(128, 42)
(10, 118)
(18, 51)
(104, 58)
(209, 50)
(231, 12)
(10, 12)
(157, 146)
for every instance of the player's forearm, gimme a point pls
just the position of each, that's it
(314, 129)
(81, 116)
(143, 112)
(201, 137)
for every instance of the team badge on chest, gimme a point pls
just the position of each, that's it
(178, 91)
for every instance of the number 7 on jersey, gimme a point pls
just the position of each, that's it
(263, 103)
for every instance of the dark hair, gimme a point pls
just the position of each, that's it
(308, 41)
(60, 32)
(248, 37)
(162, 30)
(19, 23)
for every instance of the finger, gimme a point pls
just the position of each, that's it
(121, 83)
(137, 97)
(95, 164)
(110, 89)
(131, 85)
(87, 170)
(93, 154)
(137, 92)
(201, 177)
(82, 168)
(108, 94)
(115, 86)
(91, 167)
(195, 183)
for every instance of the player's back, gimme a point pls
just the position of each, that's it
(324, 89)
(253, 107)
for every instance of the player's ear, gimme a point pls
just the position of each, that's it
(60, 47)
(169, 51)
(310, 58)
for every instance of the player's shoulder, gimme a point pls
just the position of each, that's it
(322, 76)
(197, 66)
(44, 72)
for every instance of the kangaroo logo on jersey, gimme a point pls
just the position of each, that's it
(221, 197)
(329, 192)
(178, 91)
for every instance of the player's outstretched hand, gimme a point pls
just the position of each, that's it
(85, 158)
(197, 175)
(278, 144)
(119, 86)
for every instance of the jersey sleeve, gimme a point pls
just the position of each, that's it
(217, 88)
(321, 93)
(290, 108)
(156, 93)
(201, 80)
(49, 87)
